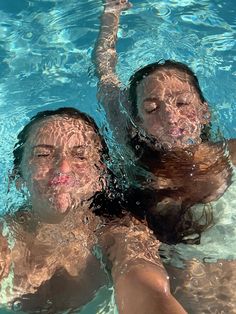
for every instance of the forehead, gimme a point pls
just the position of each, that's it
(58, 130)
(166, 81)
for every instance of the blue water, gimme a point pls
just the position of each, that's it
(45, 62)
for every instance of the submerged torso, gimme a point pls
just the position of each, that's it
(51, 266)
(205, 287)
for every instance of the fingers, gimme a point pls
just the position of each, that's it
(118, 5)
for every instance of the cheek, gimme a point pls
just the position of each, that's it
(151, 121)
(39, 173)
(36, 178)
(192, 115)
(88, 171)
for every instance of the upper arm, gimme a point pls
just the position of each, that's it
(113, 100)
(109, 93)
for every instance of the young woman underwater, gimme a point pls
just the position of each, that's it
(47, 248)
(168, 132)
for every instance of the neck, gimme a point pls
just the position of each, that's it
(54, 216)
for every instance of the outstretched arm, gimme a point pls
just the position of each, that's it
(140, 280)
(105, 53)
(109, 93)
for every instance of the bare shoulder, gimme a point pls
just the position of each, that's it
(128, 227)
(128, 241)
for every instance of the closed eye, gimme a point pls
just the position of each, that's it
(42, 150)
(42, 155)
(181, 103)
(151, 105)
(79, 152)
(79, 156)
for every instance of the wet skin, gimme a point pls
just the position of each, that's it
(170, 109)
(61, 165)
(54, 268)
(52, 255)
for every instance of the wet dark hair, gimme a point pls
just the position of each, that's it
(170, 221)
(160, 65)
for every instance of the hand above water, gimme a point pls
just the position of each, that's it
(116, 5)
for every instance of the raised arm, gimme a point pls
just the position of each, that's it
(109, 93)
(140, 280)
(105, 52)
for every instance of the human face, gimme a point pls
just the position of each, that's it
(61, 164)
(170, 109)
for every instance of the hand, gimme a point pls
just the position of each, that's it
(117, 5)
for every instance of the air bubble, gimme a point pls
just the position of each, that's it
(190, 141)
(16, 306)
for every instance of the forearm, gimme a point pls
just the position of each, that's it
(140, 280)
(105, 53)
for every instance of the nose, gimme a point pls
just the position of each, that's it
(170, 115)
(64, 165)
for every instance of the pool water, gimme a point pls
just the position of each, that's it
(45, 62)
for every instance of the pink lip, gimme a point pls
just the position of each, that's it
(61, 180)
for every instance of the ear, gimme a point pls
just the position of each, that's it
(205, 113)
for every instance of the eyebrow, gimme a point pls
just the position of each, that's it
(47, 146)
(43, 146)
(178, 93)
(151, 99)
(79, 146)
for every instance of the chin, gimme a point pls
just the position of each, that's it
(63, 201)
